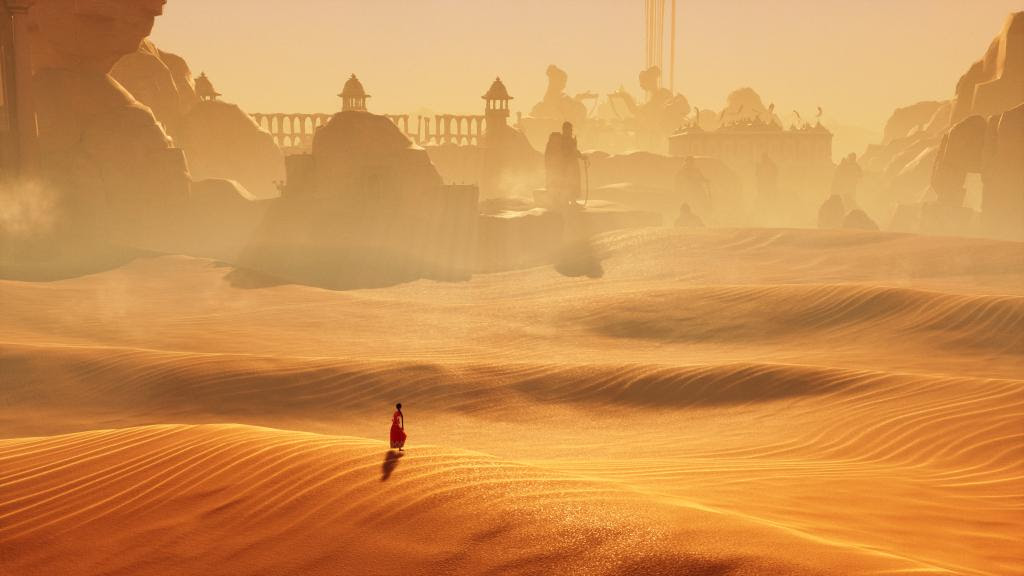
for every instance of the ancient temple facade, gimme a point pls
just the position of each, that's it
(742, 145)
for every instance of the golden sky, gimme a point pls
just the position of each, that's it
(858, 59)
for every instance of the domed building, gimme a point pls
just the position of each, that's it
(369, 201)
(205, 90)
(511, 167)
(353, 96)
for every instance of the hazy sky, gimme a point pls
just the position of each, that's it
(857, 58)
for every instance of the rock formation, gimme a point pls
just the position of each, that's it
(98, 144)
(959, 153)
(1002, 208)
(161, 81)
(859, 220)
(996, 82)
(976, 133)
(832, 212)
(219, 139)
(222, 141)
(905, 121)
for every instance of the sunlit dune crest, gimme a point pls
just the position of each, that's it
(654, 422)
(245, 499)
(543, 287)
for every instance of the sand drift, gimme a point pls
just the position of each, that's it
(718, 402)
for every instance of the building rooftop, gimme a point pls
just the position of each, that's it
(497, 91)
(353, 89)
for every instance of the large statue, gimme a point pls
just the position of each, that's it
(562, 163)
(557, 105)
(661, 113)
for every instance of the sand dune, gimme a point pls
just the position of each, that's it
(718, 402)
(301, 503)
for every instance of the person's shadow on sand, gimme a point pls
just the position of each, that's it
(390, 463)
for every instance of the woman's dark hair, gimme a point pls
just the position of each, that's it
(399, 406)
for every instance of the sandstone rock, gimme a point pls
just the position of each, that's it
(907, 218)
(859, 220)
(222, 141)
(161, 81)
(909, 118)
(1003, 176)
(832, 212)
(914, 177)
(959, 153)
(97, 143)
(995, 83)
(89, 34)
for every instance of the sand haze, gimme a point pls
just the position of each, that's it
(656, 287)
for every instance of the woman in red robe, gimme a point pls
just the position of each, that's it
(398, 429)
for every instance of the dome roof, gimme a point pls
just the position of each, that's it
(497, 91)
(353, 89)
(204, 88)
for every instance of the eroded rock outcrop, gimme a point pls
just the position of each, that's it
(859, 220)
(925, 165)
(1002, 209)
(904, 121)
(995, 83)
(832, 212)
(160, 80)
(222, 141)
(99, 145)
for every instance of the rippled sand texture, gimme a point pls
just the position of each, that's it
(718, 402)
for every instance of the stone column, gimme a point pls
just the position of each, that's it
(25, 113)
(8, 133)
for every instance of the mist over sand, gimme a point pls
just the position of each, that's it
(704, 406)
(636, 332)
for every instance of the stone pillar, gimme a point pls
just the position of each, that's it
(8, 132)
(24, 110)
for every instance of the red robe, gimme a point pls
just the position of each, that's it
(397, 432)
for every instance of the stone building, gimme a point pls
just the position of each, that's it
(353, 96)
(367, 207)
(510, 166)
(742, 145)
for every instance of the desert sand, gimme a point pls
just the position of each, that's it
(698, 402)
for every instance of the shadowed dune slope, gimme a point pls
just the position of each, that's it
(838, 298)
(719, 402)
(241, 500)
(865, 460)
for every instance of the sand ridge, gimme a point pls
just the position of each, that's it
(721, 401)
